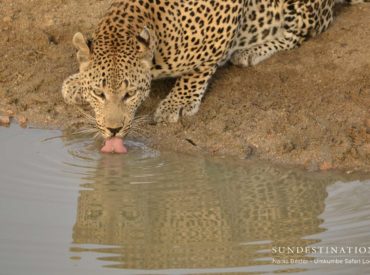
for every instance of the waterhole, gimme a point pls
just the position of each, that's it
(67, 209)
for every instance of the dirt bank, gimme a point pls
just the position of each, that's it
(309, 106)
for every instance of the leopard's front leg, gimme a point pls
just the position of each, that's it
(185, 97)
(73, 92)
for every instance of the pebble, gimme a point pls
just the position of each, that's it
(326, 165)
(312, 166)
(22, 121)
(364, 151)
(249, 151)
(10, 112)
(4, 120)
(288, 147)
(367, 122)
(7, 19)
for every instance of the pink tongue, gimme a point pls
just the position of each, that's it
(114, 145)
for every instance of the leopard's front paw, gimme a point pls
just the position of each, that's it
(191, 108)
(167, 111)
(241, 58)
(255, 59)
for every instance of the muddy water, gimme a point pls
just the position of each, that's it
(66, 209)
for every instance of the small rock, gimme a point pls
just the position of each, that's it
(249, 151)
(22, 121)
(326, 165)
(367, 123)
(364, 151)
(4, 120)
(10, 112)
(354, 153)
(7, 19)
(312, 166)
(235, 101)
(288, 147)
(48, 21)
(60, 109)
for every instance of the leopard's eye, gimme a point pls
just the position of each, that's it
(130, 93)
(99, 93)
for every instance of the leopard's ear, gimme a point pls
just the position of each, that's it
(83, 50)
(146, 46)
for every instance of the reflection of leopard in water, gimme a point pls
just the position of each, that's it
(199, 222)
(137, 41)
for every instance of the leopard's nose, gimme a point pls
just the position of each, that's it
(115, 131)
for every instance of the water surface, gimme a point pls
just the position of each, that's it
(67, 209)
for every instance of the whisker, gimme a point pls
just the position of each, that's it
(138, 132)
(137, 127)
(86, 115)
(87, 131)
(97, 135)
(141, 119)
(138, 117)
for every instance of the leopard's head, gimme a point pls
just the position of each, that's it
(114, 78)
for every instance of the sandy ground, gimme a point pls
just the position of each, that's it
(309, 106)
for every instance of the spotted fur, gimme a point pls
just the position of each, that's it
(141, 40)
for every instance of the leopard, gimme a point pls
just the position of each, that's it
(138, 41)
